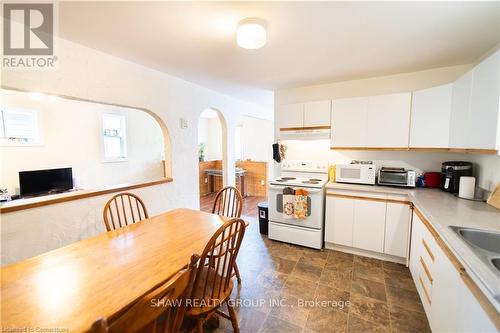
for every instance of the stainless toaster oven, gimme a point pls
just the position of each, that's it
(396, 177)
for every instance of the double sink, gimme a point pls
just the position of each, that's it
(485, 244)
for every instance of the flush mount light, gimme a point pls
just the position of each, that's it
(251, 34)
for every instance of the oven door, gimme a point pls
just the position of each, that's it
(315, 207)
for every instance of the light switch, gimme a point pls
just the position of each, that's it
(183, 123)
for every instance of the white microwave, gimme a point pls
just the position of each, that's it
(355, 173)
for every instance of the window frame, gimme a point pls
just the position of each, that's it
(7, 142)
(123, 146)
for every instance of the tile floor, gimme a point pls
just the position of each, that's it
(291, 281)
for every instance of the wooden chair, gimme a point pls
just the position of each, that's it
(123, 209)
(213, 282)
(161, 310)
(229, 202)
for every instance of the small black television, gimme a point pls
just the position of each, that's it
(39, 182)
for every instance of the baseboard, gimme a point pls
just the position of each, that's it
(366, 253)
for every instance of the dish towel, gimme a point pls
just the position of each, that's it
(300, 206)
(288, 206)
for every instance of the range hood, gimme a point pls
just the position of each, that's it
(305, 133)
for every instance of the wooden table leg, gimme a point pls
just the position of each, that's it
(242, 182)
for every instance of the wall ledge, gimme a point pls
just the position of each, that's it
(22, 204)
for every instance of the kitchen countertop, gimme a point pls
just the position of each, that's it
(443, 210)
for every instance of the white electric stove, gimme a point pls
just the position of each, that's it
(309, 176)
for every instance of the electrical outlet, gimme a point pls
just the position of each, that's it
(262, 182)
(206, 180)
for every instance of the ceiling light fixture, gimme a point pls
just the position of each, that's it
(251, 34)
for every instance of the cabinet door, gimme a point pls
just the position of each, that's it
(397, 224)
(388, 119)
(416, 236)
(317, 113)
(348, 128)
(430, 117)
(470, 316)
(460, 102)
(339, 220)
(445, 298)
(369, 225)
(291, 115)
(483, 113)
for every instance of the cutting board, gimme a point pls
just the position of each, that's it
(494, 199)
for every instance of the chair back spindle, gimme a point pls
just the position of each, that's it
(123, 209)
(228, 202)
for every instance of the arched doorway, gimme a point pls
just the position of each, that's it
(212, 155)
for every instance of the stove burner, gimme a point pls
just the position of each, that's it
(309, 182)
(288, 178)
(315, 179)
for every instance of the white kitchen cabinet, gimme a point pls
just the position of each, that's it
(348, 126)
(291, 115)
(317, 113)
(388, 121)
(484, 103)
(369, 225)
(339, 220)
(430, 117)
(460, 102)
(397, 224)
(448, 302)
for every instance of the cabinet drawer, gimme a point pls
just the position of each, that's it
(425, 291)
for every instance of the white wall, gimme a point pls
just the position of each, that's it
(71, 137)
(257, 136)
(92, 75)
(487, 168)
(210, 133)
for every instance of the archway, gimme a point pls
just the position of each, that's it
(212, 155)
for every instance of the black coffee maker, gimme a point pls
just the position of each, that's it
(451, 173)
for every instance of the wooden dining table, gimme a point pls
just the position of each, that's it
(67, 289)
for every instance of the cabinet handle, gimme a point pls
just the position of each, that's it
(428, 249)
(425, 290)
(426, 270)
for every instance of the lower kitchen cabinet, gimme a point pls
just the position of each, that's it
(340, 213)
(397, 226)
(448, 302)
(369, 225)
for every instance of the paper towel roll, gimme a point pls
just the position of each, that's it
(467, 187)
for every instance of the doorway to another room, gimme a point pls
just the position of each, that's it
(252, 154)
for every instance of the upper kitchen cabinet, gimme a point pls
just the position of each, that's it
(460, 102)
(371, 122)
(349, 122)
(484, 107)
(430, 117)
(291, 116)
(317, 114)
(475, 108)
(388, 120)
(310, 115)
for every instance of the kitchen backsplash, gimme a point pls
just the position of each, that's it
(486, 167)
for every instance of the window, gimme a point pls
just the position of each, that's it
(237, 143)
(114, 137)
(19, 126)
